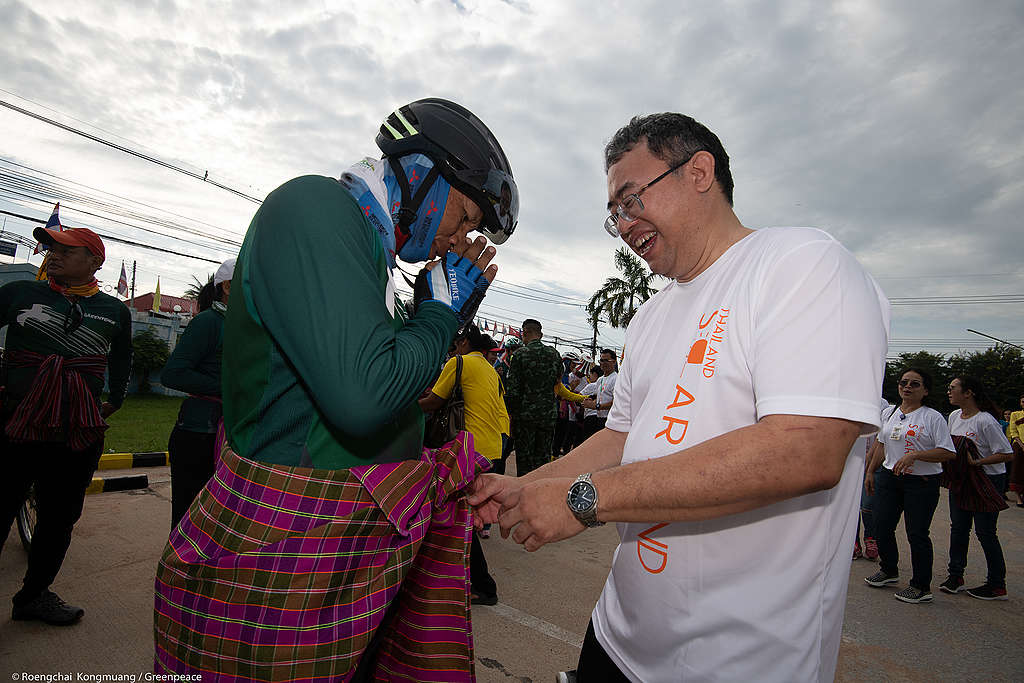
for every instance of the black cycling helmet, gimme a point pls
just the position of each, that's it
(465, 153)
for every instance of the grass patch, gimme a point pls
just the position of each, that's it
(142, 425)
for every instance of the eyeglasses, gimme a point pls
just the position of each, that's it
(73, 318)
(630, 208)
(912, 383)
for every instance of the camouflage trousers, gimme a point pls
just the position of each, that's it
(533, 440)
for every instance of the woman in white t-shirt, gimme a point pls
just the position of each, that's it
(976, 420)
(916, 441)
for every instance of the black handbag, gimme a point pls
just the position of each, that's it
(446, 422)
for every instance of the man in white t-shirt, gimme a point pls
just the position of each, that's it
(727, 458)
(601, 404)
(587, 386)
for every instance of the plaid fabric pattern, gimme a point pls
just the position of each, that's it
(59, 381)
(968, 483)
(285, 573)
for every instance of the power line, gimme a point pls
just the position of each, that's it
(128, 150)
(132, 213)
(117, 239)
(44, 191)
(129, 225)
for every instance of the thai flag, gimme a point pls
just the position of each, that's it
(52, 224)
(122, 282)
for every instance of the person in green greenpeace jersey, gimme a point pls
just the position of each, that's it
(63, 336)
(338, 541)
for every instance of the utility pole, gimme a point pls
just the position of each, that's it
(133, 283)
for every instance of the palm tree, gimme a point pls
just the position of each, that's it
(192, 292)
(620, 297)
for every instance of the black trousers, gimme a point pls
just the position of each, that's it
(595, 666)
(192, 462)
(60, 476)
(592, 425)
(561, 432)
(479, 576)
(915, 497)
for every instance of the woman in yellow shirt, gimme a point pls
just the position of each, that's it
(486, 419)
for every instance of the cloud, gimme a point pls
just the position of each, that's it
(893, 125)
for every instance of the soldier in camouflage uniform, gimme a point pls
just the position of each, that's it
(534, 382)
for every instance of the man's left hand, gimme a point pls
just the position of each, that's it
(537, 514)
(107, 409)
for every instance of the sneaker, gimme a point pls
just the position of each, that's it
(478, 599)
(566, 677)
(48, 608)
(880, 578)
(987, 592)
(857, 554)
(952, 584)
(871, 549)
(914, 595)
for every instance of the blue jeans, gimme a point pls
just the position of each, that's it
(915, 497)
(985, 528)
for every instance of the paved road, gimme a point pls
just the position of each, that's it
(538, 625)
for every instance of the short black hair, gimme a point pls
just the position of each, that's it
(673, 138)
(488, 343)
(532, 326)
(477, 340)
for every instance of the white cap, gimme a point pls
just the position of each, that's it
(225, 271)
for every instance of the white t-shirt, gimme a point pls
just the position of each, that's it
(606, 391)
(919, 430)
(785, 322)
(986, 432)
(588, 389)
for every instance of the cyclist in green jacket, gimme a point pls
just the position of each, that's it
(322, 368)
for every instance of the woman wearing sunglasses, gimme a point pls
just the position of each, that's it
(976, 420)
(916, 441)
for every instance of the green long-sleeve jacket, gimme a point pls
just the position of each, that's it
(194, 367)
(320, 366)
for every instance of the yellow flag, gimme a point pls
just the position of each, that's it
(156, 296)
(41, 273)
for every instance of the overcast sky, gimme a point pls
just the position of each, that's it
(895, 126)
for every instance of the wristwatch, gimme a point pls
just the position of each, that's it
(582, 500)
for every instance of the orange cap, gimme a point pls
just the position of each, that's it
(72, 237)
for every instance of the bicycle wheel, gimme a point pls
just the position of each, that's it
(27, 519)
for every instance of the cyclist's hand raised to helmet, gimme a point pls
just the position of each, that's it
(480, 253)
(459, 279)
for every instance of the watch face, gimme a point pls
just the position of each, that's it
(582, 496)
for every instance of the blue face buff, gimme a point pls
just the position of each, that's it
(373, 184)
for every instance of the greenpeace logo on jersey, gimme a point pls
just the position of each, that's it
(100, 317)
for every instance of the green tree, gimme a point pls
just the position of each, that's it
(192, 291)
(149, 353)
(620, 297)
(1000, 369)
